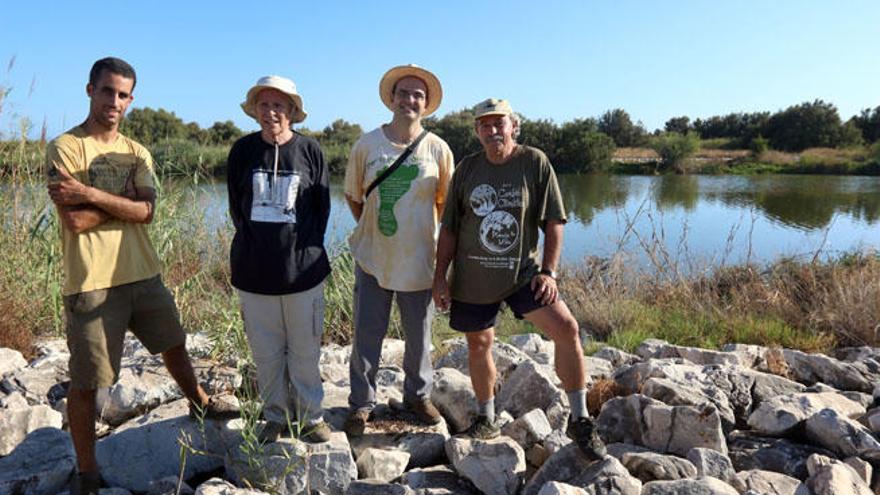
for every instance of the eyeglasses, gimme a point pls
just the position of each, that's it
(405, 94)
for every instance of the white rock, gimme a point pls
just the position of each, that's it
(454, 396)
(137, 391)
(833, 477)
(557, 488)
(10, 360)
(382, 465)
(217, 486)
(288, 466)
(437, 480)
(377, 487)
(605, 477)
(392, 352)
(15, 400)
(712, 463)
(390, 429)
(147, 448)
(860, 466)
(651, 466)
(169, 486)
(698, 486)
(528, 429)
(842, 375)
(41, 464)
(678, 429)
(615, 356)
(493, 466)
(16, 424)
(454, 354)
(840, 434)
(778, 415)
(769, 482)
(529, 387)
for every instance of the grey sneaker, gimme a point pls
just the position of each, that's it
(483, 429)
(271, 432)
(583, 432)
(424, 410)
(356, 422)
(317, 433)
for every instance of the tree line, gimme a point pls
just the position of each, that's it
(580, 145)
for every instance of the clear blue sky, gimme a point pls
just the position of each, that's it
(553, 59)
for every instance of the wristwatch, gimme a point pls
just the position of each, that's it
(550, 273)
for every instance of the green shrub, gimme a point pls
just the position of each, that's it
(674, 148)
(758, 145)
(181, 157)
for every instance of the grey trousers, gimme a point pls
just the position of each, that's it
(372, 311)
(284, 333)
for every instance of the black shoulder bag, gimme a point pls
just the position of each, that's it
(397, 163)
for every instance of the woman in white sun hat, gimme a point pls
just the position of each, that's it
(279, 202)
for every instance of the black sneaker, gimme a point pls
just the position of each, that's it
(583, 432)
(89, 483)
(483, 429)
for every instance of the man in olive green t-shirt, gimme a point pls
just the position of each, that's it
(101, 184)
(498, 200)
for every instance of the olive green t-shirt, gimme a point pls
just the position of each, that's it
(495, 212)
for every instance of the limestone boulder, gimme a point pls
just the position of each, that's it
(709, 462)
(454, 354)
(377, 487)
(769, 482)
(41, 464)
(382, 465)
(393, 429)
(781, 455)
(615, 356)
(10, 360)
(778, 415)
(842, 375)
(840, 434)
(494, 466)
(678, 429)
(290, 466)
(17, 423)
(569, 466)
(529, 429)
(558, 488)
(650, 466)
(217, 486)
(535, 347)
(696, 486)
(831, 477)
(148, 447)
(437, 480)
(454, 397)
(528, 387)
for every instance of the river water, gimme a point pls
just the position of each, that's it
(692, 222)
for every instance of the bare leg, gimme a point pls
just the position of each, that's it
(557, 322)
(178, 364)
(481, 364)
(81, 411)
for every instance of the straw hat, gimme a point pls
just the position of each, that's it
(492, 106)
(282, 84)
(435, 91)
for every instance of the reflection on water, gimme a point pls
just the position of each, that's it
(708, 219)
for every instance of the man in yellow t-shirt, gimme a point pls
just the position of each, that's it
(395, 238)
(101, 183)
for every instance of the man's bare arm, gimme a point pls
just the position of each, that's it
(445, 251)
(135, 208)
(544, 286)
(79, 219)
(356, 207)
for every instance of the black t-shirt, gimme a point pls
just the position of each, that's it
(280, 215)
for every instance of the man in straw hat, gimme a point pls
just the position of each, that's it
(102, 185)
(498, 200)
(279, 201)
(395, 238)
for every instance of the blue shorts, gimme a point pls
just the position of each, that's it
(467, 317)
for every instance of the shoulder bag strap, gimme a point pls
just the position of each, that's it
(397, 163)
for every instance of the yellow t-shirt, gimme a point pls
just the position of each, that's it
(396, 236)
(115, 252)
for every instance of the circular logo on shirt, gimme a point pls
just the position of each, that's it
(483, 199)
(499, 232)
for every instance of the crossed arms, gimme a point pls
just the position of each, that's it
(81, 207)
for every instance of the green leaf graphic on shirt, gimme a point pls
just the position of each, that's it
(390, 190)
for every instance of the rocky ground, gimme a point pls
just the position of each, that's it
(677, 420)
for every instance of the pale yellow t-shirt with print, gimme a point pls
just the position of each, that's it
(396, 237)
(115, 252)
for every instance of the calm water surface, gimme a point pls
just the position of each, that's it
(693, 221)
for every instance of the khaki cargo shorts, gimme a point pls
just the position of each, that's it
(97, 321)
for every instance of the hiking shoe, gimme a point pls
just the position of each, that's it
(317, 433)
(88, 483)
(218, 407)
(356, 422)
(583, 432)
(271, 432)
(483, 429)
(424, 410)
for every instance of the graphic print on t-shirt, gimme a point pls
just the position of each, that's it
(113, 173)
(274, 196)
(499, 229)
(390, 191)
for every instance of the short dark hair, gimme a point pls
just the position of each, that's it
(114, 66)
